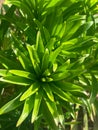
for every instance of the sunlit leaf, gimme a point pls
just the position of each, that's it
(23, 74)
(30, 91)
(4, 72)
(37, 102)
(28, 105)
(48, 92)
(16, 80)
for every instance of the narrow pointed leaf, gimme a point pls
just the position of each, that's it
(48, 116)
(16, 80)
(45, 60)
(33, 53)
(23, 74)
(11, 105)
(25, 62)
(66, 86)
(34, 58)
(94, 89)
(61, 115)
(60, 76)
(48, 92)
(50, 43)
(28, 105)
(54, 54)
(53, 110)
(18, 44)
(46, 32)
(39, 44)
(4, 72)
(61, 94)
(37, 102)
(7, 63)
(30, 91)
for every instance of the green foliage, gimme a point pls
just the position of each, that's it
(48, 51)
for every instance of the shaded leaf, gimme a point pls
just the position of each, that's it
(25, 62)
(53, 110)
(48, 116)
(63, 95)
(11, 105)
(66, 86)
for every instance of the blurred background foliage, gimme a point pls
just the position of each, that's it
(72, 26)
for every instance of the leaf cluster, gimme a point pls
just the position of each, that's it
(48, 53)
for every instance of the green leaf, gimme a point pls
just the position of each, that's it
(22, 73)
(38, 122)
(80, 94)
(11, 105)
(4, 25)
(54, 54)
(68, 107)
(45, 60)
(8, 63)
(61, 115)
(39, 44)
(46, 33)
(28, 105)
(52, 3)
(48, 116)
(19, 44)
(46, 73)
(71, 28)
(25, 62)
(30, 91)
(60, 75)
(22, 5)
(33, 53)
(48, 91)
(94, 90)
(63, 67)
(4, 73)
(34, 58)
(69, 44)
(62, 30)
(50, 43)
(66, 86)
(63, 95)
(92, 3)
(88, 106)
(16, 80)
(75, 99)
(53, 109)
(37, 102)
(69, 54)
(57, 25)
(78, 44)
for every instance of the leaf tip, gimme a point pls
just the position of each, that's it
(32, 120)
(21, 98)
(18, 123)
